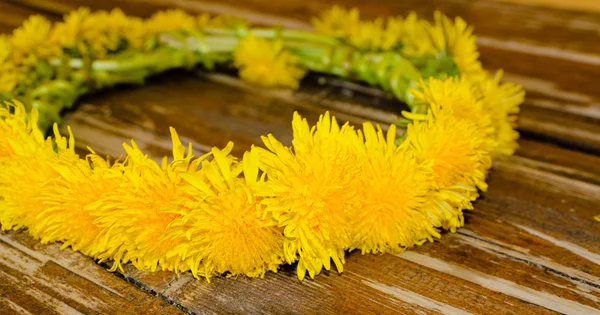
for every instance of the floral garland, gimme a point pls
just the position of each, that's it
(336, 188)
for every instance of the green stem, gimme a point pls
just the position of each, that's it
(286, 34)
(316, 52)
(386, 70)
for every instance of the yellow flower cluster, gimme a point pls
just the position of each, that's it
(266, 63)
(368, 35)
(411, 36)
(27, 45)
(173, 216)
(96, 34)
(334, 189)
(92, 35)
(30, 41)
(9, 71)
(491, 105)
(501, 100)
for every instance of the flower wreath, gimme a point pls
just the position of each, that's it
(336, 188)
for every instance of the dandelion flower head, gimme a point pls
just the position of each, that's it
(501, 101)
(310, 189)
(337, 22)
(225, 229)
(394, 186)
(267, 63)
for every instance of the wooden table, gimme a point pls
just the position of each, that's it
(531, 246)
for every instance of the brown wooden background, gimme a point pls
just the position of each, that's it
(530, 247)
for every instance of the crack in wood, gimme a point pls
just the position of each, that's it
(144, 287)
(527, 261)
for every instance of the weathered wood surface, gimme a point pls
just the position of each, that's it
(531, 245)
(592, 5)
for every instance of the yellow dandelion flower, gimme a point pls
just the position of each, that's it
(19, 130)
(115, 27)
(267, 63)
(501, 101)
(416, 41)
(309, 191)
(393, 33)
(443, 37)
(457, 95)
(227, 21)
(21, 180)
(390, 214)
(9, 78)
(26, 161)
(459, 153)
(5, 47)
(66, 33)
(135, 31)
(66, 217)
(458, 41)
(133, 219)
(337, 22)
(104, 31)
(30, 42)
(224, 229)
(203, 20)
(9, 72)
(97, 33)
(466, 126)
(367, 35)
(460, 158)
(170, 20)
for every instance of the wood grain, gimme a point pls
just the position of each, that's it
(579, 5)
(530, 246)
(38, 279)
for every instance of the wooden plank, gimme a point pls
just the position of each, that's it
(560, 161)
(582, 5)
(39, 279)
